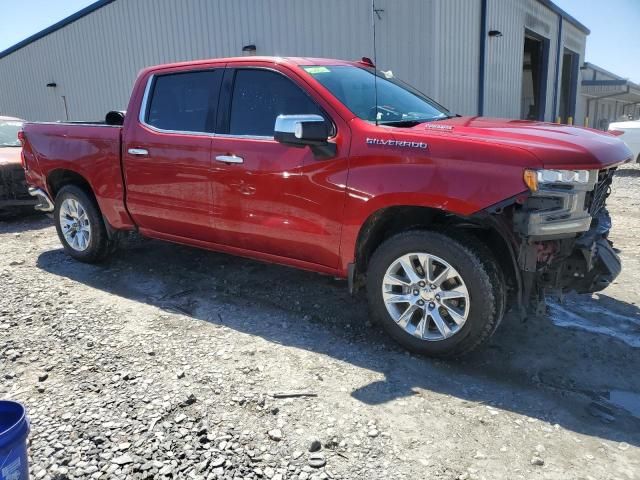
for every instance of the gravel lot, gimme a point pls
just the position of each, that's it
(166, 361)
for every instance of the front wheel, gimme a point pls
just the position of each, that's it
(436, 294)
(80, 226)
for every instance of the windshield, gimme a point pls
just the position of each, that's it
(398, 103)
(9, 133)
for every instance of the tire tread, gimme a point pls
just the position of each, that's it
(102, 245)
(489, 276)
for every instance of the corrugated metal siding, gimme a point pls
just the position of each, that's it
(602, 110)
(504, 69)
(541, 20)
(417, 37)
(432, 44)
(95, 60)
(457, 53)
(405, 34)
(504, 58)
(575, 40)
(505, 54)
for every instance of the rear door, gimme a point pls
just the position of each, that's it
(167, 154)
(269, 197)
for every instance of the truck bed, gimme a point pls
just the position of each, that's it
(91, 151)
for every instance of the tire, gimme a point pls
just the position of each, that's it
(476, 287)
(91, 248)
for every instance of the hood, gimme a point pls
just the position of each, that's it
(10, 156)
(555, 146)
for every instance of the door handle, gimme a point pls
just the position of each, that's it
(138, 151)
(229, 159)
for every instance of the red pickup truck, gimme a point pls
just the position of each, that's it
(334, 167)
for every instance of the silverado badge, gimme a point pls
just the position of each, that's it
(395, 143)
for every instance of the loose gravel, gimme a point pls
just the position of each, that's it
(171, 362)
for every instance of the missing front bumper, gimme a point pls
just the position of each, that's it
(585, 265)
(592, 270)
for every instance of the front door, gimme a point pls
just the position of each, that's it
(167, 156)
(269, 197)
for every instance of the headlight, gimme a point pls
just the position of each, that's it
(536, 178)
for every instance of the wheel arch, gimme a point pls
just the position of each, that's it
(490, 226)
(60, 177)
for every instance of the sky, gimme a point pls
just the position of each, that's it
(20, 19)
(614, 43)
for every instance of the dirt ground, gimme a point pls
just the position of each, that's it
(164, 362)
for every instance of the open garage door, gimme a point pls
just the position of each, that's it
(534, 76)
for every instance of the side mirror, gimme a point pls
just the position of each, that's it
(115, 117)
(301, 130)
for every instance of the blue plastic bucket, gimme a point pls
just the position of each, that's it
(14, 430)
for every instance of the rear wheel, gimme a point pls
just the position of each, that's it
(435, 294)
(80, 225)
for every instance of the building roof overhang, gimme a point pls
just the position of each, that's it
(622, 90)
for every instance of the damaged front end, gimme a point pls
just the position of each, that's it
(14, 193)
(563, 227)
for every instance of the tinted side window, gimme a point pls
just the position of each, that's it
(185, 101)
(259, 96)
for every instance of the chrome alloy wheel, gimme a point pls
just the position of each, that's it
(426, 296)
(75, 224)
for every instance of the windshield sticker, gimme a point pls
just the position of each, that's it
(316, 70)
(395, 143)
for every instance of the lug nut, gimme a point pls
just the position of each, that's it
(416, 292)
(421, 302)
(438, 297)
(432, 306)
(422, 284)
(433, 287)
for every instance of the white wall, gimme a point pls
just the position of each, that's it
(574, 40)
(503, 78)
(432, 44)
(505, 54)
(95, 60)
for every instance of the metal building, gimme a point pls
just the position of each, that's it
(507, 58)
(606, 97)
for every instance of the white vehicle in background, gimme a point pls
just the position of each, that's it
(630, 135)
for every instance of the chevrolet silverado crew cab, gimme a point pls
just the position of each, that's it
(334, 167)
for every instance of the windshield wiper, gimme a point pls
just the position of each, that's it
(446, 117)
(404, 123)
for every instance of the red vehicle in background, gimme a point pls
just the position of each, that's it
(333, 167)
(14, 196)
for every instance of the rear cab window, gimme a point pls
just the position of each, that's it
(184, 101)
